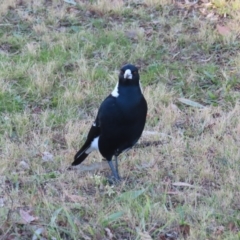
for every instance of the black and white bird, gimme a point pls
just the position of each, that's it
(120, 121)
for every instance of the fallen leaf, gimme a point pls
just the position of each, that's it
(26, 217)
(24, 165)
(11, 236)
(210, 15)
(171, 235)
(1, 202)
(216, 115)
(190, 102)
(148, 164)
(223, 30)
(180, 5)
(46, 156)
(76, 198)
(151, 133)
(206, 3)
(175, 108)
(156, 22)
(191, 3)
(70, 2)
(37, 110)
(162, 237)
(109, 234)
(182, 184)
(59, 138)
(184, 230)
(37, 233)
(173, 193)
(219, 230)
(144, 235)
(232, 227)
(132, 34)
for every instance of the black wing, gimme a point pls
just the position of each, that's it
(122, 121)
(93, 133)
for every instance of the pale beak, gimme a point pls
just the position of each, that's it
(128, 74)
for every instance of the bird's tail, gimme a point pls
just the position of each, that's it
(80, 156)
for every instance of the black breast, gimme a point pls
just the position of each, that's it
(122, 121)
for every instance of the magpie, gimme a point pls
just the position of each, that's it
(120, 121)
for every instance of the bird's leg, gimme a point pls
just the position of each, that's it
(114, 172)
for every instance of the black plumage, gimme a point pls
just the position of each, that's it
(120, 120)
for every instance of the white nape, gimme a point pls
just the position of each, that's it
(93, 146)
(128, 74)
(115, 91)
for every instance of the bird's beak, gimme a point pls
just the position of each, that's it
(128, 74)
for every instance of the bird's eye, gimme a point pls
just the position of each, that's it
(122, 72)
(134, 72)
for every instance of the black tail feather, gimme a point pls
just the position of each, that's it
(79, 157)
(81, 154)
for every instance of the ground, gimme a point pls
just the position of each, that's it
(60, 59)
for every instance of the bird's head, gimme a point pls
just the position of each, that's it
(128, 77)
(129, 74)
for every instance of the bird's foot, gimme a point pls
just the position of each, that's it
(114, 180)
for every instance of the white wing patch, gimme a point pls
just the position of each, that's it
(140, 85)
(93, 146)
(115, 91)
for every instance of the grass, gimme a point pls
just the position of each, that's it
(58, 61)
